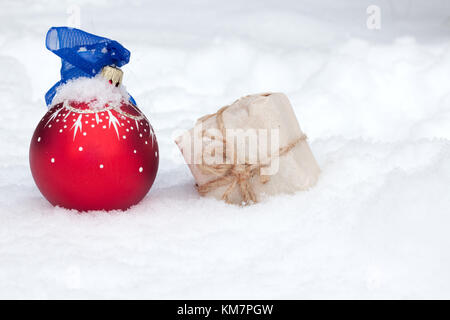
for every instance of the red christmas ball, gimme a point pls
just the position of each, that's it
(94, 159)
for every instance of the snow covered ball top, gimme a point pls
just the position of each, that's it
(96, 92)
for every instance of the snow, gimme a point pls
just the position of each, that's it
(97, 92)
(375, 106)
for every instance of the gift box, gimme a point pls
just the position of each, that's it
(248, 150)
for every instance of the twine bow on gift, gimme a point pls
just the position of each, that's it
(234, 174)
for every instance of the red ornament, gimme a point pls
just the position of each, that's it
(94, 159)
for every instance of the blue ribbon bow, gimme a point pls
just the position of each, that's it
(82, 55)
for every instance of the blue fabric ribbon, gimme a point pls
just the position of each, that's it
(82, 55)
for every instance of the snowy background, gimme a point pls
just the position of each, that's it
(374, 103)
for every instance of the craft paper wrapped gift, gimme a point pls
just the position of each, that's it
(251, 148)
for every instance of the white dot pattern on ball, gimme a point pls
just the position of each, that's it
(111, 115)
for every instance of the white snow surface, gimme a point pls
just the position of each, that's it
(374, 103)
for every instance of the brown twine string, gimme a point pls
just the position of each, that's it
(235, 174)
